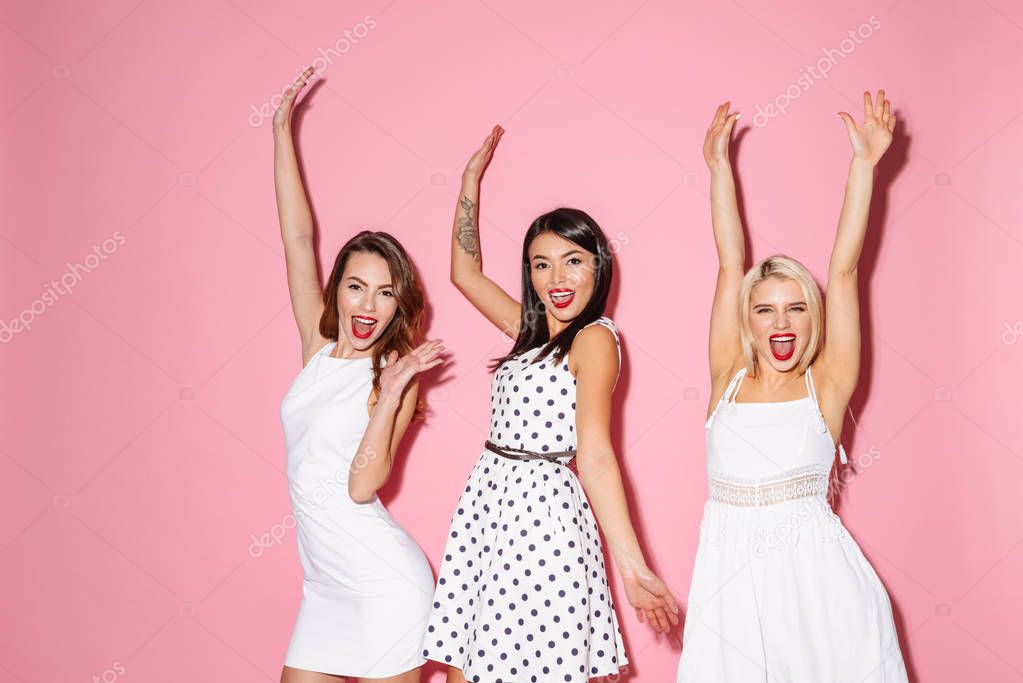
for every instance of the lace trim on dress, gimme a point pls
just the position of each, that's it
(811, 480)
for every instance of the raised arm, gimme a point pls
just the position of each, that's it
(595, 357)
(724, 344)
(297, 227)
(839, 360)
(466, 261)
(389, 418)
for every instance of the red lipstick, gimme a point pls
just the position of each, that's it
(561, 297)
(783, 345)
(363, 326)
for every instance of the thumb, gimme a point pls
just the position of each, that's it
(850, 125)
(392, 357)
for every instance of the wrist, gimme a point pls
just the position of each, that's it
(862, 163)
(389, 398)
(719, 166)
(629, 566)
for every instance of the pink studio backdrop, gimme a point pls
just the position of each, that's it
(141, 450)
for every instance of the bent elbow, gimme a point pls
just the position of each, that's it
(842, 272)
(595, 460)
(458, 279)
(360, 493)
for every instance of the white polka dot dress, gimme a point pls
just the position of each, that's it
(522, 593)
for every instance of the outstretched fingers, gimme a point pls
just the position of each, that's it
(868, 106)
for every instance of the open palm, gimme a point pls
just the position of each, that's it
(400, 371)
(719, 135)
(282, 116)
(871, 139)
(479, 161)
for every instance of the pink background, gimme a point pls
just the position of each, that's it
(140, 443)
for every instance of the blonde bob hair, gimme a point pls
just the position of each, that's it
(780, 267)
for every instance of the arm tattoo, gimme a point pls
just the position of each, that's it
(468, 231)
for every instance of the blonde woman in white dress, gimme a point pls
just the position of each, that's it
(367, 588)
(780, 590)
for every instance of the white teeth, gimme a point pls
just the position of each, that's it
(561, 295)
(784, 339)
(364, 321)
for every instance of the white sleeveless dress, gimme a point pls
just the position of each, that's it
(367, 588)
(522, 594)
(780, 590)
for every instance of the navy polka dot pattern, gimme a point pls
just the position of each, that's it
(522, 592)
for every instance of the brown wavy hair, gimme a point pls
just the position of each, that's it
(404, 331)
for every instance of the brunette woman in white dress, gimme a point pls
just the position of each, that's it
(367, 587)
(522, 592)
(780, 590)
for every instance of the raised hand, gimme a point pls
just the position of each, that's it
(400, 371)
(478, 162)
(871, 140)
(282, 117)
(719, 135)
(653, 601)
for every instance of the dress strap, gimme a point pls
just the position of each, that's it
(737, 382)
(732, 384)
(822, 425)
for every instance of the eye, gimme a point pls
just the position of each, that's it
(387, 292)
(354, 286)
(799, 309)
(540, 265)
(575, 261)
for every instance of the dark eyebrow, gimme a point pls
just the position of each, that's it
(363, 282)
(567, 253)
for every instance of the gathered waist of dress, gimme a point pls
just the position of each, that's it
(747, 493)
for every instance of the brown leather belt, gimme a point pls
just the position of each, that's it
(559, 457)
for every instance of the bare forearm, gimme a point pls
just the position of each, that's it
(602, 481)
(724, 213)
(852, 223)
(465, 232)
(292, 206)
(371, 465)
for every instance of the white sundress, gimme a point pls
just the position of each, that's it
(780, 591)
(522, 594)
(367, 586)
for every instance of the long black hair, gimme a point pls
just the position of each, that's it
(578, 227)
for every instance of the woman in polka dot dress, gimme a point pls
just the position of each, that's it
(522, 592)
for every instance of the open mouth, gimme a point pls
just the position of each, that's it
(783, 345)
(561, 297)
(363, 326)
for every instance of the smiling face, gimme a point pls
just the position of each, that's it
(780, 322)
(562, 274)
(366, 302)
